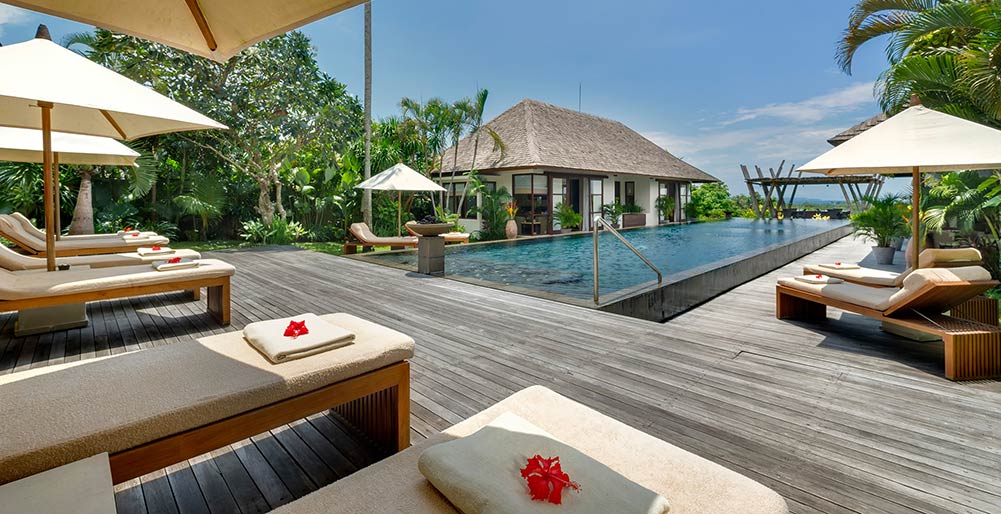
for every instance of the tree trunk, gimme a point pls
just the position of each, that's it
(366, 201)
(278, 200)
(264, 205)
(83, 212)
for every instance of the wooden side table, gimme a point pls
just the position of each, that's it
(81, 487)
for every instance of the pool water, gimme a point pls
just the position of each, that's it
(563, 265)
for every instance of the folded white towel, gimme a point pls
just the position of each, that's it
(127, 233)
(480, 474)
(169, 266)
(139, 237)
(819, 279)
(150, 251)
(840, 265)
(269, 337)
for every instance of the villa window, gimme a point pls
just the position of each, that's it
(668, 189)
(630, 193)
(456, 191)
(684, 195)
(597, 199)
(531, 195)
(618, 191)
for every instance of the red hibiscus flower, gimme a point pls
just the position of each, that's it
(156, 248)
(546, 479)
(296, 329)
(175, 260)
(820, 276)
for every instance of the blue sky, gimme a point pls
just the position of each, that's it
(716, 83)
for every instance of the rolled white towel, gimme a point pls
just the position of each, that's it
(269, 338)
(156, 250)
(136, 237)
(481, 474)
(174, 264)
(840, 265)
(819, 279)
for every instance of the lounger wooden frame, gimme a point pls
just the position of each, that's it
(218, 296)
(972, 349)
(377, 402)
(68, 252)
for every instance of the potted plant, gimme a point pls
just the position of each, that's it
(569, 219)
(612, 213)
(633, 216)
(511, 227)
(885, 219)
(665, 205)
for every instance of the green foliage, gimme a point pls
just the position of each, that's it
(631, 208)
(449, 217)
(665, 206)
(281, 232)
(612, 212)
(116, 216)
(711, 201)
(885, 219)
(568, 218)
(493, 208)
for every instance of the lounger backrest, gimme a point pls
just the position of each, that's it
(13, 229)
(949, 257)
(940, 289)
(11, 260)
(362, 232)
(27, 225)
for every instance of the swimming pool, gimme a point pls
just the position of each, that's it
(563, 265)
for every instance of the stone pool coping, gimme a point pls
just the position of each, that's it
(678, 292)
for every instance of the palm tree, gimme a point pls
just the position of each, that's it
(206, 200)
(475, 118)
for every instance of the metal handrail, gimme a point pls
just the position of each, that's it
(599, 220)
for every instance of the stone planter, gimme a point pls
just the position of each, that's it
(511, 229)
(430, 229)
(633, 219)
(883, 254)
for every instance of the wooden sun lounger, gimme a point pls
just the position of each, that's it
(98, 247)
(360, 236)
(972, 349)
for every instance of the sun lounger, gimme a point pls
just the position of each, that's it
(690, 483)
(13, 261)
(450, 238)
(11, 230)
(972, 349)
(929, 258)
(159, 406)
(363, 238)
(32, 289)
(30, 228)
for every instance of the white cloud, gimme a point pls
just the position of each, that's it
(810, 110)
(10, 15)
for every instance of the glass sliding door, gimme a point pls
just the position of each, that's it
(559, 189)
(597, 200)
(531, 195)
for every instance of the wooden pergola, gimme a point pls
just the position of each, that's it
(774, 185)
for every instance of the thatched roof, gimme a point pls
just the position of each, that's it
(857, 129)
(540, 135)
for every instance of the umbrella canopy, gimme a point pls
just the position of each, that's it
(25, 145)
(86, 97)
(916, 137)
(217, 29)
(916, 140)
(400, 177)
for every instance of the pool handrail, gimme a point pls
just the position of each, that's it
(598, 220)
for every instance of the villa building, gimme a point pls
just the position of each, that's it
(553, 155)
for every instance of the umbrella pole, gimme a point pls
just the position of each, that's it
(55, 194)
(915, 215)
(399, 213)
(50, 235)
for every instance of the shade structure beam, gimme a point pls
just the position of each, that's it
(203, 24)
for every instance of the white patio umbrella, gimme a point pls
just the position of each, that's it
(915, 141)
(45, 86)
(399, 178)
(217, 29)
(25, 145)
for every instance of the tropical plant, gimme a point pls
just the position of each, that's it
(665, 206)
(711, 201)
(631, 208)
(885, 219)
(492, 208)
(612, 212)
(568, 218)
(452, 218)
(206, 200)
(281, 232)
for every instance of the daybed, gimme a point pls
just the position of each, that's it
(159, 406)
(32, 289)
(692, 484)
(972, 349)
(12, 230)
(13, 261)
(363, 237)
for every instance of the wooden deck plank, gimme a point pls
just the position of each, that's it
(836, 416)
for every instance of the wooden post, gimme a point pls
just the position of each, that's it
(399, 213)
(751, 191)
(795, 187)
(50, 226)
(915, 215)
(55, 199)
(768, 192)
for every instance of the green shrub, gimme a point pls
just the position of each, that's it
(281, 232)
(569, 218)
(885, 219)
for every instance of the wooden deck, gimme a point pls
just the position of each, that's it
(837, 417)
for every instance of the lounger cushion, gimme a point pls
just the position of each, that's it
(926, 276)
(62, 413)
(13, 261)
(15, 230)
(30, 228)
(878, 298)
(18, 285)
(691, 483)
(944, 257)
(871, 276)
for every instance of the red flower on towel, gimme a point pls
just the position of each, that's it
(837, 263)
(175, 260)
(135, 234)
(820, 276)
(546, 479)
(296, 329)
(156, 248)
